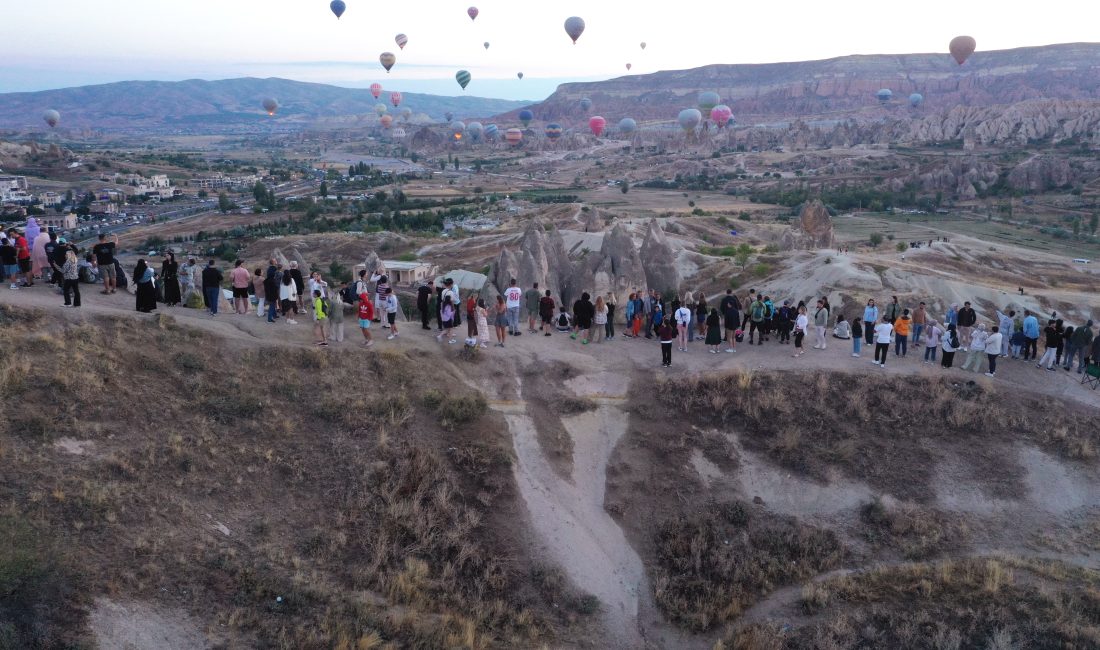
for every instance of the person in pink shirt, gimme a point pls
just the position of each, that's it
(241, 280)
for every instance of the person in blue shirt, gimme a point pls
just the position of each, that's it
(1031, 336)
(870, 318)
(952, 317)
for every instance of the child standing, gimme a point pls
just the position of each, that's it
(714, 331)
(391, 312)
(666, 333)
(320, 318)
(366, 315)
(857, 336)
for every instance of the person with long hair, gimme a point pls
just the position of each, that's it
(714, 330)
(801, 322)
(146, 293)
(169, 275)
(609, 327)
(448, 314)
(500, 320)
(70, 279)
(288, 298)
(483, 323)
(600, 320)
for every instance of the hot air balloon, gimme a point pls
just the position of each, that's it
(721, 114)
(628, 67)
(586, 104)
(553, 131)
(520, 75)
(395, 99)
(472, 12)
(398, 133)
(474, 130)
(401, 40)
(689, 118)
(916, 99)
(513, 136)
(406, 113)
(376, 90)
(708, 100)
(458, 129)
(574, 26)
(526, 116)
(337, 7)
(491, 131)
(884, 95)
(380, 109)
(52, 117)
(387, 59)
(643, 45)
(270, 105)
(463, 78)
(385, 121)
(628, 125)
(596, 124)
(486, 44)
(962, 47)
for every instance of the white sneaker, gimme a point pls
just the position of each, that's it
(855, 355)
(391, 337)
(291, 321)
(451, 341)
(730, 350)
(988, 374)
(439, 338)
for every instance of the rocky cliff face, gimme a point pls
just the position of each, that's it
(659, 261)
(814, 229)
(540, 257)
(617, 268)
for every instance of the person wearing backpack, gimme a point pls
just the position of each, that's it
(731, 314)
(786, 318)
(950, 345)
(756, 321)
(366, 315)
(683, 326)
(320, 318)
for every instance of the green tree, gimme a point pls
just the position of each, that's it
(1094, 221)
(625, 187)
(1076, 226)
(324, 189)
(203, 194)
(259, 192)
(742, 254)
(456, 163)
(442, 166)
(876, 239)
(902, 247)
(224, 204)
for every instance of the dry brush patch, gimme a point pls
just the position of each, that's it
(915, 531)
(293, 498)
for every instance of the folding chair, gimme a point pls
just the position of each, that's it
(1091, 376)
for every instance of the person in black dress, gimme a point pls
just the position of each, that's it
(169, 274)
(146, 289)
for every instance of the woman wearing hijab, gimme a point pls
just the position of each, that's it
(169, 274)
(146, 291)
(713, 324)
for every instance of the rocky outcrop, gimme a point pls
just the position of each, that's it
(1040, 173)
(540, 257)
(659, 260)
(814, 229)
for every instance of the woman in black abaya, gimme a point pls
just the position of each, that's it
(146, 290)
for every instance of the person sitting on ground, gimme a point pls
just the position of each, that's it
(842, 330)
(564, 321)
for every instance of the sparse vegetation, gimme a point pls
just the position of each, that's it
(917, 532)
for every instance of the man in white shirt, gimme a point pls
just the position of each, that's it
(884, 333)
(683, 324)
(513, 296)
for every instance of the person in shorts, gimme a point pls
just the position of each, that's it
(9, 263)
(391, 312)
(366, 315)
(104, 252)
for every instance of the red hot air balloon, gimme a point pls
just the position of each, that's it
(721, 115)
(962, 47)
(395, 99)
(472, 13)
(376, 90)
(597, 124)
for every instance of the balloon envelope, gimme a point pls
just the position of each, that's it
(457, 129)
(553, 131)
(337, 7)
(526, 116)
(387, 59)
(401, 40)
(406, 113)
(721, 114)
(474, 130)
(398, 133)
(463, 78)
(270, 105)
(449, 116)
(513, 136)
(386, 121)
(395, 99)
(643, 45)
(472, 12)
(884, 95)
(628, 66)
(916, 99)
(596, 124)
(486, 44)
(689, 118)
(380, 109)
(586, 104)
(708, 100)
(376, 90)
(574, 26)
(628, 125)
(52, 117)
(520, 75)
(491, 130)
(962, 47)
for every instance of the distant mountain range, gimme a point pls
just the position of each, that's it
(843, 87)
(219, 106)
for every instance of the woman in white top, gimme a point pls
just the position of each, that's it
(884, 336)
(288, 298)
(801, 322)
(976, 354)
(600, 320)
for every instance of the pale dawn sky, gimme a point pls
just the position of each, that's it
(62, 43)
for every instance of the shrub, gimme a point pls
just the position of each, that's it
(876, 239)
(902, 247)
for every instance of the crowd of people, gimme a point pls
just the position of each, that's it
(282, 293)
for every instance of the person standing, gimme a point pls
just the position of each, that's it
(702, 313)
(801, 322)
(1053, 340)
(609, 328)
(70, 279)
(366, 315)
(483, 322)
(821, 321)
(893, 311)
(1005, 324)
(9, 263)
(784, 320)
(884, 332)
(392, 306)
(187, 281)
(976, 349)
(967, 318)
(500, 320)
(423, 298)
(271, 291)
(731, 315)
(665, 334)
(756, 320)
(145, 291)
(212, 286)
(901, 333)
(299, 287)
(1031, 336)
(993, 349)
(1081, 342)
(920, 317)
(288, 298)
(857, 336)
(583, 314)
(531, 299)
(714, 330)
(259, 291)
(104, 252)
(546, 313)
(682, 315)
(950, 345)
(336, 315)
(240, 280)
(320, 318)
(471, 316)
(513, 298)
(169, 275)
(649, 306)
(952, 317)
(599, 323)
(51, 259)
(870, 319)
(23, 258)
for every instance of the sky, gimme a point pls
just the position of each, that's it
(62, 43)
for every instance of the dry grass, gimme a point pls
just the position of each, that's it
(856, 423)
(917, 532)
(975, 603)
(712, 566)
(378, 522)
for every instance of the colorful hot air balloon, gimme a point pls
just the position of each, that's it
(398, 133)
(337, 7)
(884, 95)
(395, 99)
(962, 47)
(387, 59)
(401, 40)
(474, 130)
(463, 78)
(406, 113)
(643, 45)
(586, 104)
(270, 105)
(526, 116)
(376, 90)
(689, 118)
(52, 117)
(628, 67)
(513, 136)
(574, 26)
(486, 44)
(916, 99)
(596, 124)
(553, 131)
(520, 75)
(385, 121)
(628, 125)
(721, 114)
(491, 131)
(380, 109)
(472, 12)
(708, 100)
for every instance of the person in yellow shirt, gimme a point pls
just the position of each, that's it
(902, 326)
(320, 318)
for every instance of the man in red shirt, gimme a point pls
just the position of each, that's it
(23, 256)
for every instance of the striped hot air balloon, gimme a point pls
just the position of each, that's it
(553, 131)
(513, 136)
(463, 78)
(401, 40)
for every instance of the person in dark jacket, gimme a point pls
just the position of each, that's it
(212, 286)
(966, 320)
(1078, 347)
(423, 299)
(583, 313)
(271, 290)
